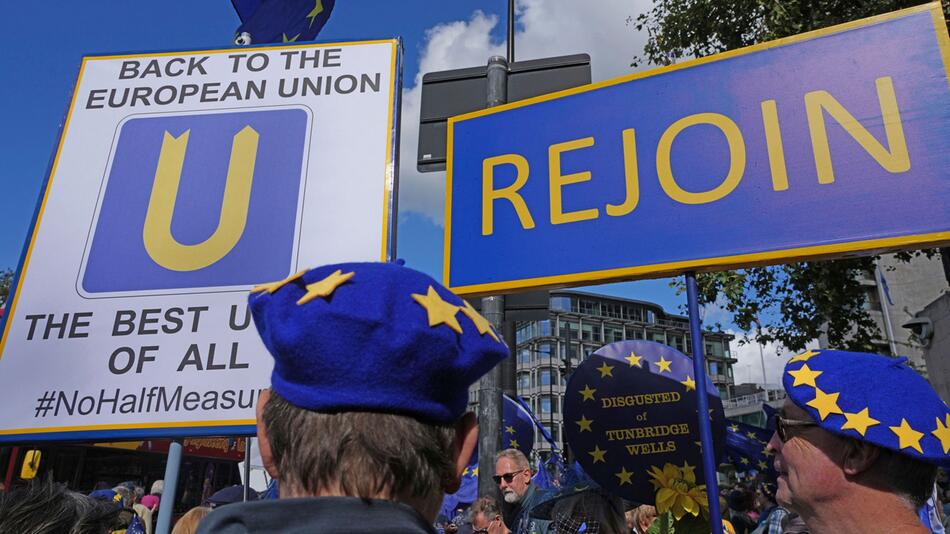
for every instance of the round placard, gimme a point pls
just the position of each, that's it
(630, 412)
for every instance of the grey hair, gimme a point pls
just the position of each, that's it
(158, 487)
(49, 508)
(516, 456)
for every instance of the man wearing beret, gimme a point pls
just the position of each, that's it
(364, 426)
(858, 442)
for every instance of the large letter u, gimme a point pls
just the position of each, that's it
(157, 234)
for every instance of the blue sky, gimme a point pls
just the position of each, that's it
(44, 47)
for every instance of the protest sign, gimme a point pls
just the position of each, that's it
(823, 144)
(181, 180)
(630, 410)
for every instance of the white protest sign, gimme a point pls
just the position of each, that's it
(181, 180)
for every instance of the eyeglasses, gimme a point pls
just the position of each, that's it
(507, 476)
(782, 425)
(486, 529)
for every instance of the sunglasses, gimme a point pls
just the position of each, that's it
(507, 476)
(782, 425)
(485, 530)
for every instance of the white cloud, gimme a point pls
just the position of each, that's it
(749, 367)
(544, 29)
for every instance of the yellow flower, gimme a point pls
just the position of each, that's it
(677, 491)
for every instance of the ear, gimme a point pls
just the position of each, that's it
(858, 457)
(466, 438)
(262, 442)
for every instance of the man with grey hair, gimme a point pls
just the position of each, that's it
(513, 476)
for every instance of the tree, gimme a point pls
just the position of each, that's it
(793, 303)
(6, 280)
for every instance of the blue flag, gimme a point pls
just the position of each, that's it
(280, 21)
(746, 448)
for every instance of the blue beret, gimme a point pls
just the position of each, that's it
(873, 398)
(376, 337)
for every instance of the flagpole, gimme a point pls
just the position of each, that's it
(888, 328)
(702, 403)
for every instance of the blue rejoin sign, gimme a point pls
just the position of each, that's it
(823, 144)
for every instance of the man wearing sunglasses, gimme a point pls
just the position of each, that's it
(486, 517)
(858, 442)
(513, 476)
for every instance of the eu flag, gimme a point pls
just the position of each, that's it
(280, 21)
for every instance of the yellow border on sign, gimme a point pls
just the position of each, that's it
(11, 309)
(51, 430)
(389, 168)
(704, 264)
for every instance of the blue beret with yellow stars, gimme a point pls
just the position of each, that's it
(376, 337)
(872, 398)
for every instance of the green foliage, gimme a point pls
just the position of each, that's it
(681, 29)
(662, 525)
(794, 302)
(6, 280)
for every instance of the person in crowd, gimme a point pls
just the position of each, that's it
(487, 518)
(364, 425)
(153, 500)
(188, 524)
(590, 511)
(741, 503)
(641, 518)
(49, 508)
(513, 476)
(770, 514)
(857, 442)
(144, 512)
(231, 495)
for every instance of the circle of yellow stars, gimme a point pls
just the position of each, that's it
(826, 403)
(438, 310)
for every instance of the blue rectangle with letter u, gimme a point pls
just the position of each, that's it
(201, 200)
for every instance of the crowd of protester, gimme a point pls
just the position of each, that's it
(375, 440)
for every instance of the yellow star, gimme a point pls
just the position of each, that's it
(752, 435)
(624, 476)
(762, 465)
(689, 383)
(664, 365)
(514, 444)
(859, 422)
(271, 287)
(475, 472)
(825, 403)
(284, 38)
(481, 323)
(909, 438)
(942, 432)
(734, 428)
(326, 287)
(744, 461)
(606, 370)
(804, 357)
(317, 9)
(634, 359)
(584, 423)
(766, 451)
(465, 471)
(597, 454)
(510, 429)
(804, 376)
(587, 393)
(440, 311)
